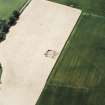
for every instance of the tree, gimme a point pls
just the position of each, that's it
(5, 28)
(0, 72)
(2, 36)
(16, 14)
(12, 21)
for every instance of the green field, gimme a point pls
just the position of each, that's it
(8, 6)
(10, 11)
(83, 59)
(78, 77)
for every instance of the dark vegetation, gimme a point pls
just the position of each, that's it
(0, 72)
(5, 25)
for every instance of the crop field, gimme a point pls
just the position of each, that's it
(8, 6)
(82, 64)
(79, 74)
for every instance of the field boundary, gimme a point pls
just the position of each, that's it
(24, 6)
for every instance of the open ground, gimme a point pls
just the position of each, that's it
(42, 26)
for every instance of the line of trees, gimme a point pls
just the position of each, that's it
(5, 26)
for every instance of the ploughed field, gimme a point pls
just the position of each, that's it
(78, 77)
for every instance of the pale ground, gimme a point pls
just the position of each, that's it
(43, 25)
